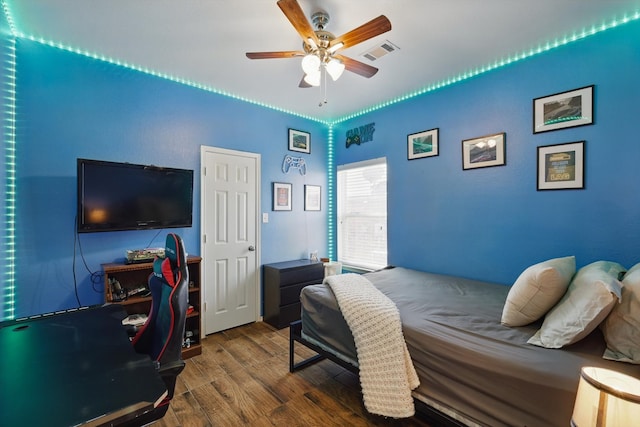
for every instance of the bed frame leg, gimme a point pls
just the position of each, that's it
(295, 334)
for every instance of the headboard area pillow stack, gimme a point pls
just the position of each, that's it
(573, 304)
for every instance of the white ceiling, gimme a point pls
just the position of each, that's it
(204, 41)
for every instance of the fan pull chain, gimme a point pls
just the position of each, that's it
(324, 77)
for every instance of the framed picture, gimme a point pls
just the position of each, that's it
(281, 196)
(422, 144)
(561, 166)
(312, 197)
(484, 151)
(563, 110)
(299, 141)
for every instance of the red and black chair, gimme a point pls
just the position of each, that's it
(161, 336)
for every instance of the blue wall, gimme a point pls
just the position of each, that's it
(485, 223)
(72, 106)
(491, 223)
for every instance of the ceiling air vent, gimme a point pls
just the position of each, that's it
(379, 51)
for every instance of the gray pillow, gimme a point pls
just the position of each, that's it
(591, 295)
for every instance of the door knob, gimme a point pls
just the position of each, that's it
(252, 248)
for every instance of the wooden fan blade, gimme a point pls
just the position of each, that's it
(274, 55)
(357, 67)
(364, 32)
(295, 15)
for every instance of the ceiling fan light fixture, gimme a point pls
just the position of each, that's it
(311, 64)
(313, 78)
(319, 46)
(312, 43)
(335, 47)
(335, 68)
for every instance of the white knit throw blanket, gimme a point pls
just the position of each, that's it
(387, 375)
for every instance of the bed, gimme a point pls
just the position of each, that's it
(472, 369)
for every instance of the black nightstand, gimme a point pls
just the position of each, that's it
(283, 282)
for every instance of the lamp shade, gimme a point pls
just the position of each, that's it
(334, 68)
(313, 78)
(606, 398)
(310, 63)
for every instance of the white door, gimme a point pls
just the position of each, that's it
(230, 201)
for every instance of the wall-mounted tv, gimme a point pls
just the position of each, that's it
(123, 196)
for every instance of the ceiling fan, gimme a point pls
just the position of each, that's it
(320, 47)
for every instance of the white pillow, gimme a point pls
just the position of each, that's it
(537, 290)
(589, 299)
(621, 328)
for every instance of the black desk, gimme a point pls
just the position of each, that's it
(73, 368)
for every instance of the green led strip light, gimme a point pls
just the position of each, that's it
(165, 76)
(595, 29)
(499, 63)
(9, 17)
(18, 34)
(7, 306)
(8, 289)
(330, 192)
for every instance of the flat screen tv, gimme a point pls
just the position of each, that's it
(123, 196)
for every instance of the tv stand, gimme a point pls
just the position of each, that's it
(139, 261)
(134, 276)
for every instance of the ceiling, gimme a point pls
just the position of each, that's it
(204, 41)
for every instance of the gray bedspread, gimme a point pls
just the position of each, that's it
(466, 360)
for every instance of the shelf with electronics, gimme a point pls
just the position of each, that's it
(126, 284)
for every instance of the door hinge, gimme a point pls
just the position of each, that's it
(204, 238)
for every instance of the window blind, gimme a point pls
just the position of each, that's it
(362, 214)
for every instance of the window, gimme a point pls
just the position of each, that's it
(362, 214)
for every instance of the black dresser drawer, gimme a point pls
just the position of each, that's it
(298, 275)
(290, 294)
(288, 313)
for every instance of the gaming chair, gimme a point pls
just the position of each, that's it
(162, 334)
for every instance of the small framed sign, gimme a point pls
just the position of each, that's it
(561, 166)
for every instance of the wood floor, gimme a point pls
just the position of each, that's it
(242, 378)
